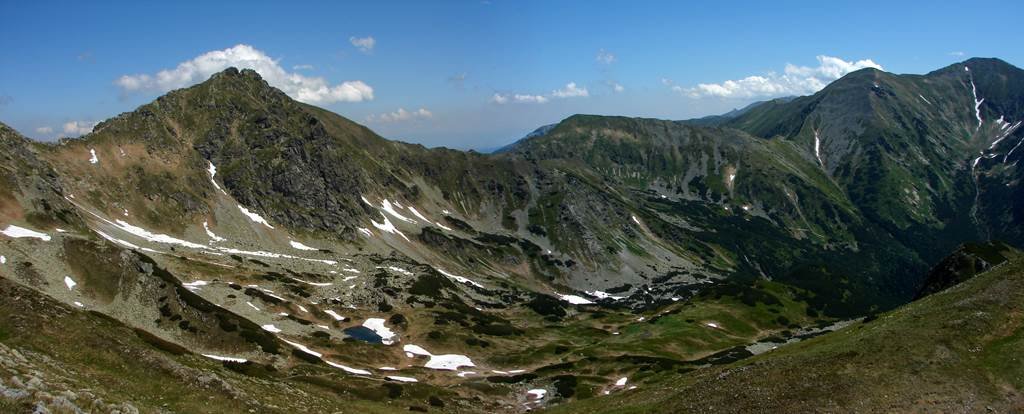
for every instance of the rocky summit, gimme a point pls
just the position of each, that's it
(225, 248)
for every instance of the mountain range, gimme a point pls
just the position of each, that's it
(226, 248)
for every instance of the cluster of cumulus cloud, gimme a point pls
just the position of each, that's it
(571, 90)
(401, 115)
(308, 89)
(795, 80)
(70, 129)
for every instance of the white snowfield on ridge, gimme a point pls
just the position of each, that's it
(149, 236)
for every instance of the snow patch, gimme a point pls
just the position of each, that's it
(603, 295)
(401, 379)
(396, 269)
(254, 217)
(303, 348)
(537, 394)
(213, 237)
(388, 208)
(300, 246)
(69, 282)
(274, 255)
(366, 232)
(270, 328)
(311, 283)
(417, 214)
(817, 148)
(213, 173)
(1012, 150)
(416, 350)
(377, 326)
(334, 315)
(575, 300)
(94, 159)
(388, 227)
(116, 240)
(21, 232)
(195, 285)
(158, 238)
(448, 362)
(977, 103)
(459, 279)
(347, 369)
(224, 358)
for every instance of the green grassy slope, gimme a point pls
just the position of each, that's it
(955, 351)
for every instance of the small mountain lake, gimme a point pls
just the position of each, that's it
(364, 334)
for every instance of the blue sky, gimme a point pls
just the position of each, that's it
(456, 68)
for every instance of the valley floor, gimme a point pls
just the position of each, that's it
(956, 351)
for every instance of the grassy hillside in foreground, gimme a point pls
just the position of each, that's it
(57, 359)
(955, 351)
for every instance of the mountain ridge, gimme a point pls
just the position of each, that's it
(233, 221)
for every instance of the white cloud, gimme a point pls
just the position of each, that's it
(364, 44)
(303, 67)
(957, 54)
(499, 99)
(529, 98)
(795, 80)
(518, 98)
(401, 115)
(570, 90)
(78, 128)
(44, 130)
(605, 57)
(617, 87)
(314, 90)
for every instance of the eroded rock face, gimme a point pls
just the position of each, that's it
(30, 187)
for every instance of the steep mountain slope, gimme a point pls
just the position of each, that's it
(314, 172)
(228, 221)
(953, 351)
(917, 154)
(894, 169)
